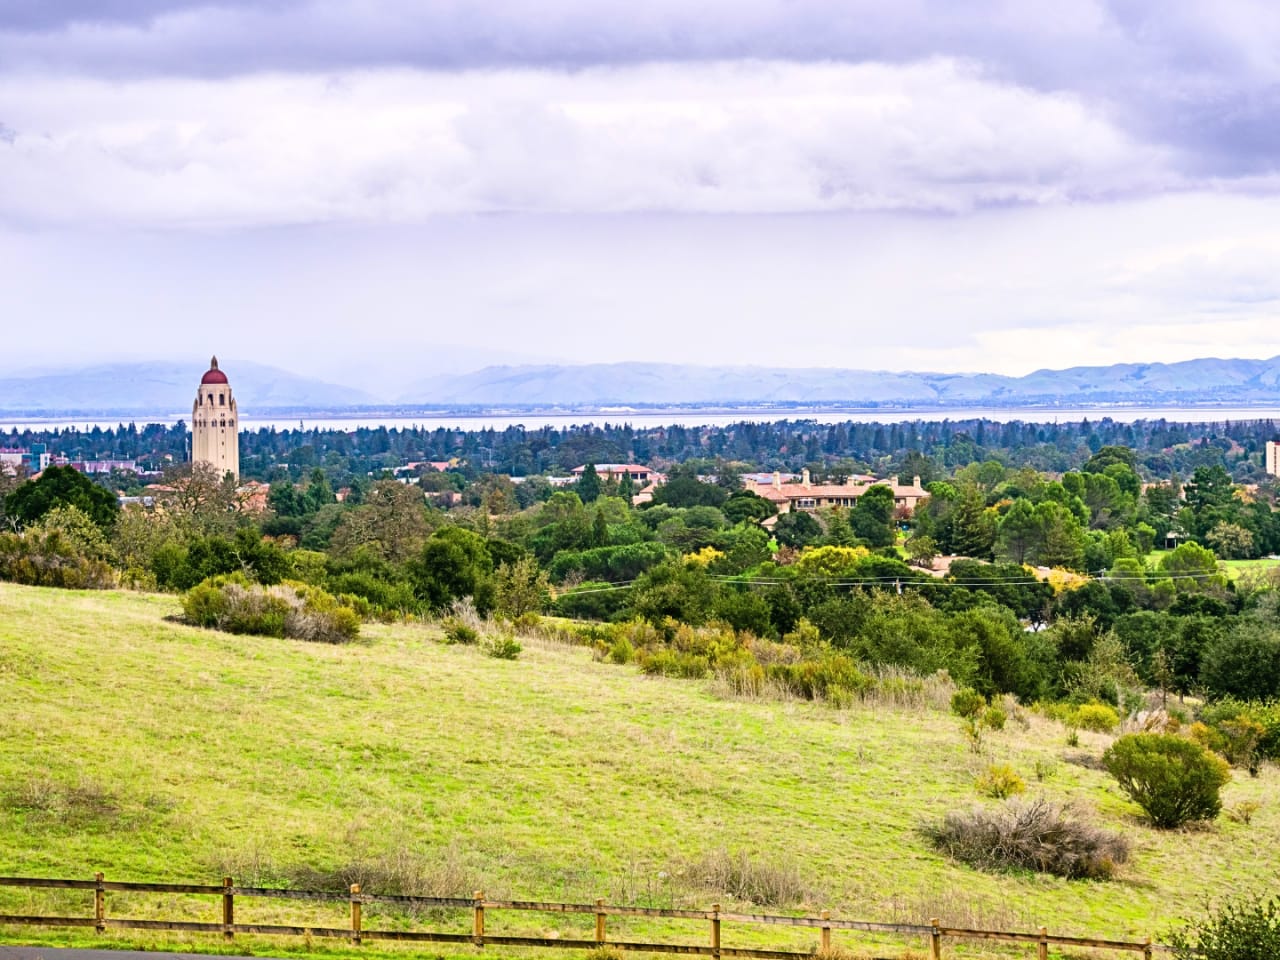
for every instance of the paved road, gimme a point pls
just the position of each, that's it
(58, 953)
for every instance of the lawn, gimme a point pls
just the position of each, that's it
(153, 751)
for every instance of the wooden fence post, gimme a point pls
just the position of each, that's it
(826, 932)
(1146, 949)
(228, 910)
(935, 939)
(715, 929)
(477, 929)
(99, 905)
(355, 914)
(600, 921)
(1042, 948)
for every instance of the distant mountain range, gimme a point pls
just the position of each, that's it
(160, 389)
(1193, 381)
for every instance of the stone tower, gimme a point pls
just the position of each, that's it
(215, 424)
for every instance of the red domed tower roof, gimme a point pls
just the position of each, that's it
(214, 375)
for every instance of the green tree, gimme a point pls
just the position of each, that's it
(684, 489)
(1192, 567)
(600, 529)
(62, 486)
(872, 517)
(1061, 541)
(392, 523)
(746, 505)
(1243, 662)
(796, 529)
(520, 587)
(1230, 541)
(1019, 532)
(1173, 779)
(972, 528)
(452, 564)
(589, 484)
(922, 551)
(675, 589)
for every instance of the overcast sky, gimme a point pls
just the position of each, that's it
(369, 190)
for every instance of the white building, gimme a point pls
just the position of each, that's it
(1273, 458)
(215, 424)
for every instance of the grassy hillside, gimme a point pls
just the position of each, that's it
(150, 750)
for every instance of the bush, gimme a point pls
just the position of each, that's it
(621, 651)
(740, 875)
(967, 703)
(994, 718)
(1035, 835)
(671, 663)
(501, 646)
(1246, 733)
(48, 558)
(456, 630)
(1173, 779)
(1000, 782)
(1097, 717)
(292, 610)
(1243, 929)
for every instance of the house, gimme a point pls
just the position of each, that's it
(616, 471)
(807, 495)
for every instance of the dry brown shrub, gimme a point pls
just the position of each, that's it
(1031, 835)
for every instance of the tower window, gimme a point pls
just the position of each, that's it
(222, 399)
(211, 398)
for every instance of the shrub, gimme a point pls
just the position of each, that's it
(48, 558)
(1097, 717)
(671, 663)
(1242, 929)
(994, 718)
(1243, 811)
(457, 630)
(1000, 781)
(293, 610)
(1173, 779)
(621, 651)
(744, 877)
(1035, 835)
(967, 703)
(501, 646)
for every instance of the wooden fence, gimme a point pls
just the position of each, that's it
(479, 906)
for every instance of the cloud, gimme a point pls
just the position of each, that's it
(1197, 81)
(938, 137)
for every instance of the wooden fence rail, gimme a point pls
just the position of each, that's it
(478, 905)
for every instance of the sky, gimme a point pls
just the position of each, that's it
(373, 191)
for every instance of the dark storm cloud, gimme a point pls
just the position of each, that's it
(1202, 78)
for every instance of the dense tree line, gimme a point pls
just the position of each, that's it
(929, 449)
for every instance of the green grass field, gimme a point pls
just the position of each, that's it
(153, 751)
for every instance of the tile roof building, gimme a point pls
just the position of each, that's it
(807, 495)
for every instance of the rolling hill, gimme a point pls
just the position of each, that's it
(176, 754)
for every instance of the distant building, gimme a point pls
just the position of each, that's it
(808, 496)
(1273, 458)
(215, 424)
(105, 466)
(616, 471)
(32, 459)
